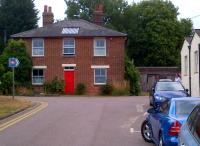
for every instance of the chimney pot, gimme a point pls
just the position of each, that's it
(50, 10)
(45, 8)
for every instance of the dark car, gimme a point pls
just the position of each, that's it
(190, 131)
(165, 90)
(163, 123)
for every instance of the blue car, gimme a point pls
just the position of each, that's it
(165, 90)
(190, 131)
(163, 123)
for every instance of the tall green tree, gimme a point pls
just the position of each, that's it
(17, 16)
(155, 33)
(23, 71)
(113, 11)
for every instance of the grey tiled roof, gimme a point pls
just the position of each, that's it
(198, 32)
(55, 30)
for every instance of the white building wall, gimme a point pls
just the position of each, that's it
(194, 74)
(185, 76)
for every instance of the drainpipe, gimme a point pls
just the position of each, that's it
(189, 48)
(199, 68)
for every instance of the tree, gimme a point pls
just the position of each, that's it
(132, 75)
(23, 71)
(17, 16)
(155, 33)
(113, 11)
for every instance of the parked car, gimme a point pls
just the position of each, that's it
(165, 90)
(163, 123)
(190, 131)
(165, 80)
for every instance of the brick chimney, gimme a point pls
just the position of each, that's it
(98, 15)
(48, 17)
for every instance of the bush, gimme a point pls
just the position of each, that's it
(55, 86)
(80, 89)
(132, 75)
(6, 83)
(106, 89)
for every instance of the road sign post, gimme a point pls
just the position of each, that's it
(13, 63)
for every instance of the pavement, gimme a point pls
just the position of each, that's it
(80, 121)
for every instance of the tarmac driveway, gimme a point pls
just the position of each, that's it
(81, 121)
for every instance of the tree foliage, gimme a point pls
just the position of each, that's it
(17, 16)
(23, 71)
(155, 33)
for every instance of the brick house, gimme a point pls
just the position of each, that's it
(76, 51)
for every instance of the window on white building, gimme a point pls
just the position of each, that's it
(37, 76)
(185, 65)
(37, 47)
(69, 46)
(99, 47)
(100, 76)
(196, 61)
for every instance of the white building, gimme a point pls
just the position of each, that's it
(194, 43)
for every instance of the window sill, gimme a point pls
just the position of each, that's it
(99, 84)
(38, 56)
(37, 84)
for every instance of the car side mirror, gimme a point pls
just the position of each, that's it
(153, 89)
(152, 111)
(186, 90)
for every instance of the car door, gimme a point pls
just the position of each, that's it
(186, 137)
(158, 119)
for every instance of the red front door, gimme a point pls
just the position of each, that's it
(69, 82)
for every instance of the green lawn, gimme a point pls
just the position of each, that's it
(8, 106)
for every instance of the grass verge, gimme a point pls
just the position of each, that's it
(9, 106)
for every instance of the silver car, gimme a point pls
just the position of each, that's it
(190, 132)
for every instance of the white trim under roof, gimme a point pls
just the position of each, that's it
(100, 66)
(68, 65)
(39, 67)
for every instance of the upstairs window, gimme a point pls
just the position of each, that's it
(99, 47)
(100, 76)
(37, 47)
(68, 46)
(196, 61)
(37, 76)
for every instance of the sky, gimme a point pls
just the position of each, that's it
(187, 9)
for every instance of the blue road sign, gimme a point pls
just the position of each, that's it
(13, 62)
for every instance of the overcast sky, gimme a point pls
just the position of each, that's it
(187, 9)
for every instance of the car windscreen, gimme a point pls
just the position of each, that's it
(185, 107)
(169, 86)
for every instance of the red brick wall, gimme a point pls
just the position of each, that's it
(83, 59)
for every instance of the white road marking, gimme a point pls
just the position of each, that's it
(139, 108)
(132, 130)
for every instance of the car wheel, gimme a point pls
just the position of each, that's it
(146, 131)
(161, 143)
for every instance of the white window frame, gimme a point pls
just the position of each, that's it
(185, 65)
(96, 47)
(69, 46)
(196, 61)
(106, 76)
(40, 55)
(37, 76)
